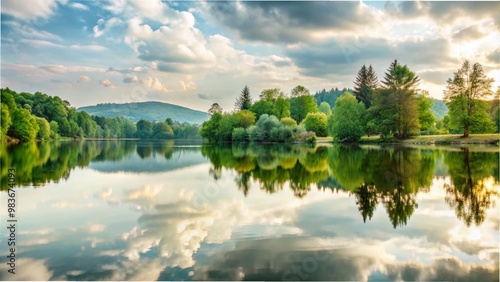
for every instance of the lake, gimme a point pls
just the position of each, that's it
(138, 210)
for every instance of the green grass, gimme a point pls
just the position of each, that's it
(440, 139)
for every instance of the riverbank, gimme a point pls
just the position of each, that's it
(448, 139)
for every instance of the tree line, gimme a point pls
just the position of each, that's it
(28, 117)
(393, 108)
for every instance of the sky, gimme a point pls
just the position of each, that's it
(195, 53)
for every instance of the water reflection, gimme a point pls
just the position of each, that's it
(157, 211)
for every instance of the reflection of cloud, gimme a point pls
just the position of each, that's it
(95, 228)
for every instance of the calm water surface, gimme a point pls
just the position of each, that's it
(127, 210)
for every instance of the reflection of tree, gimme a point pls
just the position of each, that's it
(400, 205)
(42, 162)
(472, 177)
(271, 165)
(367, 200)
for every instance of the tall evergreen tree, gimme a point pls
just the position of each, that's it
(244, 102)
(366, 81)
(464, 94)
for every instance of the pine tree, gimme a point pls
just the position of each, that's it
(366, 82)
(244, 102)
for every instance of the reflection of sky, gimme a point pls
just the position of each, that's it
(183, 225)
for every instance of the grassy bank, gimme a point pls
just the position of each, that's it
(429, 139)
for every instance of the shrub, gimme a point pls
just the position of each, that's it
(316, 122)
(288, 121)
(239, 134)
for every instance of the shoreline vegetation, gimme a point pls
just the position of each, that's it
(392, 111)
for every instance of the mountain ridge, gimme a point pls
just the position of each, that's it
(150, 110)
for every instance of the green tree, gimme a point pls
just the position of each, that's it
(281, 107)
(324, 107)
(316, 122)
(366, 81)
(209, 127)
(262, 107)
(426, 118)
(169, 121)
(288, 121)
(271, 94)
(345, 122)
(463, 95)
(144, 129)
(54, 129)
(401, 104)
(5, 121)
(244, 102)
(44, 128)
(245, 118)
(24, 126)
(301, 105)
(299, 90)
(161, 130)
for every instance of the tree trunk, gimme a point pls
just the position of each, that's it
(466, 131)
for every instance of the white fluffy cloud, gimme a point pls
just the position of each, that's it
(29, 10)
(107, 83)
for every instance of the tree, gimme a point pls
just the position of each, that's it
(245, 118)
(299, 90)
(271, 94)
(316, 122)
(161, 130)
(324, 107)
(144, 129)
(288, 121)
(5, 121)
(24, 126)
(463, 95)
(209, 127)
(426, 118)
(215, 108)
(301, 105)
(170, 122)
(244, 102)
(397, 104)
(54, 129)
(346, 119)
(281, 107)
(262, 107)
(44, 128)
(366, 81)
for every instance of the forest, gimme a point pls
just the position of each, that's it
(28, 117)
(393, 108)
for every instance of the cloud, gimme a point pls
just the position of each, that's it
(106, 83)
(29, 10)
(204, 96)
(130, 79)
(289, 22)
(178, 43)
(494, 56)
(468, 33)
(79, 6)
(84, 78)
(27, 31)
(153, 83)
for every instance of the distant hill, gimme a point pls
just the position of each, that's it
(152, 111)
(439, 109)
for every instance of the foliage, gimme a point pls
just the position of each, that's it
(271, 94)
(245, 118)
(316, 122)
(366, 81)
(345, 123)
(288, 121)
(162, 130)
(209, 127)
(44, 129)
(464, 93)
(24, 126)
(244, 102)
(324, 107)
(281, 107)
(239, 135)
(329, 96)
(299, 90)
(144, 129)
(262, 107)
(300, 106)
(5, 121)
(426, 118)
